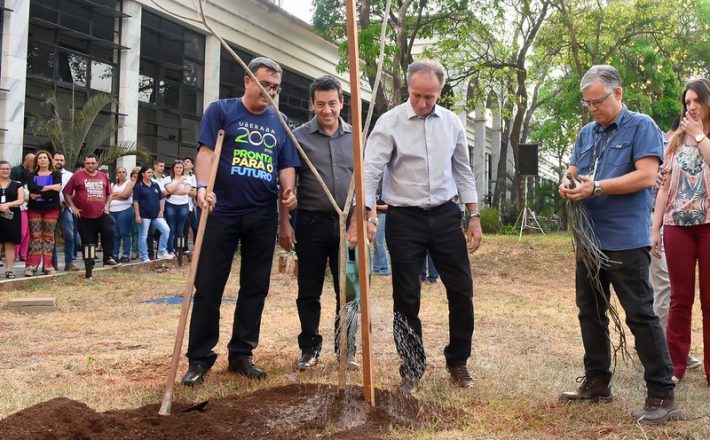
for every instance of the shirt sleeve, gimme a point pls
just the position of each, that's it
(575, 150)
(136, 192)
(69, 188)
(32, 185)
(648, 140)
(378, 151)
(461, 166)
(209, 126)
(288, 155)
(107, 184)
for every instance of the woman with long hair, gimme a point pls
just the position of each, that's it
(43, 208)
(122, 213)
(176, 204)
(683, 209)
(148, 209)
(12, 196)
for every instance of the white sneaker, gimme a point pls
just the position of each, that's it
(165, 256)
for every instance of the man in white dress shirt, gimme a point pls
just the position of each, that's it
(420, 151)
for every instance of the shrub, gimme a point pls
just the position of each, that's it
(490, 221)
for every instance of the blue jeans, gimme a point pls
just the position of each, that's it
(380, 265)
(161, 226)
(191, 223)
(124, 224)
(70, 236)
(432, 275)
(175, 215)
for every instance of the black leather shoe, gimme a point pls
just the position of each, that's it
(307, 361)
(195, 375)
(246, 367)
(460, 376)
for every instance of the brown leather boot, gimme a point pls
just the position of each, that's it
(593, 389)
(460, 376)
(657, 411)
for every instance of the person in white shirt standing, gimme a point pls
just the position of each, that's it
(191, 222)
(122, 213)
(70, 235)
(178, 187)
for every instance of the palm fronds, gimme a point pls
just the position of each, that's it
(126, 148)
(72, 130)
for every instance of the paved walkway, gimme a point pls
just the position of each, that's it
(19, 267)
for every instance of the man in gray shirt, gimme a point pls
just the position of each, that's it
(327, 141)
(420, 150)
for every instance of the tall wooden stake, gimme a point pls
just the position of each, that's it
(356, 113)
(189, 287)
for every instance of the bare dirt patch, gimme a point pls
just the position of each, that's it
(289, 412)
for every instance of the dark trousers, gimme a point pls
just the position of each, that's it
(89, 229)
(628, 274)
(191, 223)
(317, 245)
(410, 233)
(255, 234)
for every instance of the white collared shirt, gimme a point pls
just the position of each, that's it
(425, 161)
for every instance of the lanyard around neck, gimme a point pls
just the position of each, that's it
(598, 150)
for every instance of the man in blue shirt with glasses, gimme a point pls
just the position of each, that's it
(614, 163)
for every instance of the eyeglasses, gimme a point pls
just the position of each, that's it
(270, 87)
(594, 102)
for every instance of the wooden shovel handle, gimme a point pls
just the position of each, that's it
(190, 286)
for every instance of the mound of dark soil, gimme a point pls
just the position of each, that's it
(289, 412)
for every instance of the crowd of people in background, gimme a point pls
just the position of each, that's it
(40, 199)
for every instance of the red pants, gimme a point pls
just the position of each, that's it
(21, 249)
(686, 245)
(42, 226)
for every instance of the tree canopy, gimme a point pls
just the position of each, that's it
(524, 58)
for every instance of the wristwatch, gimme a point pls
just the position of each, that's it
(470, 215)
(200, 185)
(597, 188)
(372, 220)
(699, 137)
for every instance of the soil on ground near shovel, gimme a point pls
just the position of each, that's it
(298, 411)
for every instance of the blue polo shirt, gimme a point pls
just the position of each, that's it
(621, 222)
(148, 198)
(254, 149)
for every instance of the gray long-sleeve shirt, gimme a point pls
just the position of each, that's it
(425, 161)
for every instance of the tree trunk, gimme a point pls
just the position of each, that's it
(501, 172)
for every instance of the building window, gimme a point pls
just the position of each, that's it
(72, 50)
(170, 87)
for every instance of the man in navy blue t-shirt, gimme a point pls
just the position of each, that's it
(615, 161)
(256, 166)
